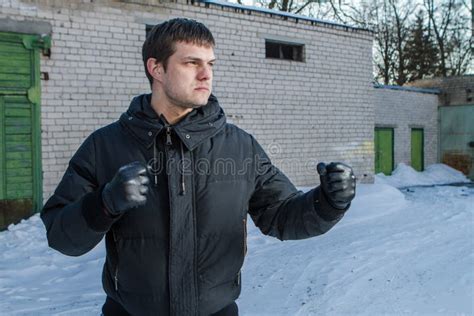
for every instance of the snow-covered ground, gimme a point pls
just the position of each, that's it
(396, 252)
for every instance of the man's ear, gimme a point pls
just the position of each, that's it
(155, 69)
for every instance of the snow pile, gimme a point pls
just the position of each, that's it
(404, 176)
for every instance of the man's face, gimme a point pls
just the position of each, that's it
(187, 82)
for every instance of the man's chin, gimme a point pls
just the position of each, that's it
(192, 103)
(199, 103)
(195, 105)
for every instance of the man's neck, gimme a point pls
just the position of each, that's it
(172, 113)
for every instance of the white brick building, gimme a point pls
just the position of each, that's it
(404, 109)
(456, 114)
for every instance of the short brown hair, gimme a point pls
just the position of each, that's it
(160, 41)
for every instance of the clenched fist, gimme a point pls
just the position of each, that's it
(127, 189)
(338, 183)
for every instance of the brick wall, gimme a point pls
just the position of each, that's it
(302, 113)
(404, 110)
(458, 90)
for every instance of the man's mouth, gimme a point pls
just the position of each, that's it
(202, 89)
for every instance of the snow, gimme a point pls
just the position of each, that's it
(37, 280)
(404, 176)
(397, 251)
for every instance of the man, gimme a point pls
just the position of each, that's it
(170, 184)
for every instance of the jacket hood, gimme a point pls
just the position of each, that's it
(198, 125)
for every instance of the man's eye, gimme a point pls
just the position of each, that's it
(211, 64)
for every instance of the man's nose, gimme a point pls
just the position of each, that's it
(205, 73)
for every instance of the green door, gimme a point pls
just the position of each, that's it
(457, 137)
(20, 138)
(417, 145)
(383, 150)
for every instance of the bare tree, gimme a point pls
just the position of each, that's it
(384, 43)
(450, 29)
(400, 15)
(446, 23)
(294, 6)
(390, 19)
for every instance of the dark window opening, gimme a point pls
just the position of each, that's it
(468, 95)
(280, 50)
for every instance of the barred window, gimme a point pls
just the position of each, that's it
(282, 50)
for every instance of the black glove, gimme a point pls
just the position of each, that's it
(338, 183)
(127, 189)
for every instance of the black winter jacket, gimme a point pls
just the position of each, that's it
(181, 253)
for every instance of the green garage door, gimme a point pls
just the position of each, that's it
(20, 148)
(417, 155)
(383, 150)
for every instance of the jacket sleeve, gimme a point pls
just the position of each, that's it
(281, 211)
(74, 217)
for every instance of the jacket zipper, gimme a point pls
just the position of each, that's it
(116, 267)
(195, 266)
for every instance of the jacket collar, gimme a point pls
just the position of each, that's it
(197, 126)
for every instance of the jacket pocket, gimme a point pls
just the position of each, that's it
(140, 267)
